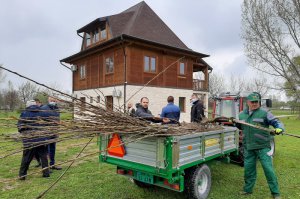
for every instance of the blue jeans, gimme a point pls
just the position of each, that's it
(51, 152)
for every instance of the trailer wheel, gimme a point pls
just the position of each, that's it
(198, 182)
(141, 184)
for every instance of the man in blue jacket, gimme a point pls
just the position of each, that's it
(171, 111)
(33, 140)
(53, 118)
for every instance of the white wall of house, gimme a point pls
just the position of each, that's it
(157, 97)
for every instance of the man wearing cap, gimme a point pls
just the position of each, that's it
(256, 144)
(33, 141)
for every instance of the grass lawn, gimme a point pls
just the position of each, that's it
(90, 179)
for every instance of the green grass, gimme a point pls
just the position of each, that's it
(90, 179)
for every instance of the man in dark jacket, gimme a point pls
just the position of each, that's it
(171, 111)
(53, 118)
(142, 111)
(257, 144)
(197, 110)
(32, 140)
(38, 103)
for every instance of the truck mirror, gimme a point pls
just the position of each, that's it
(269, 103)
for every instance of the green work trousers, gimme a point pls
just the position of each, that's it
(250, 159)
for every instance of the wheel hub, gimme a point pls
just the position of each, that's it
(202, 183)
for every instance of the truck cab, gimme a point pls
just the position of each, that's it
(229, 105)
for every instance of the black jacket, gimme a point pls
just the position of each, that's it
(197, 111)
(143, 112)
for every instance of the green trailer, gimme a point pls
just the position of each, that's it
(176, 162)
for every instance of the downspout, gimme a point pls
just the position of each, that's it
(72, 74)
(72, 81)
(125, 72)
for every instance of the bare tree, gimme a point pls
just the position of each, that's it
(271, 34)
(2, 75)
(27, 91)
(2, 79)
(236, 84)
(10, 97)
(258, 84)
(216, 84)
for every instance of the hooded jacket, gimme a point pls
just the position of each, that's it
(52, 116)
(28, 124)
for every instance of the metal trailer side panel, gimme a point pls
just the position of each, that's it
(185, 149)
(149, 151)
(189, 150)
(198, 146)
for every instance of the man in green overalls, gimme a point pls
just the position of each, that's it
(257, 144)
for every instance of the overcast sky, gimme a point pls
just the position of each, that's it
(36, 34)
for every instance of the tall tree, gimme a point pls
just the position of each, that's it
(271, 34)
(216, 84)
(10, 96)
(2, 75)
(258, 84)
(236, 84)
(27, 91)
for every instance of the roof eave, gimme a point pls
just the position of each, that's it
(93, 23)
(165, 45)
(123, 37)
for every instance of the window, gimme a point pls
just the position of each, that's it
(82, 72)
(146, 63)
(103, 34)
(149, 64)
(87, 39)
(181, 68)
(91, 100)
(95, 36)
(182, 104)
(109, 103)
(109, 63)
(82, 104)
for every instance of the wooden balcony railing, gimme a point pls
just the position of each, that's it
(200, 85)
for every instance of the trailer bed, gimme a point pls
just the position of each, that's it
(154, 160)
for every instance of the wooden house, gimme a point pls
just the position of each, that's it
(133, 54)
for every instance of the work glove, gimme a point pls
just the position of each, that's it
(278, 131)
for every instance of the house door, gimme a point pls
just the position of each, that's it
(109, 102)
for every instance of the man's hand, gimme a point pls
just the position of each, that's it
(231, 119)
(278, 131)
(166, 120)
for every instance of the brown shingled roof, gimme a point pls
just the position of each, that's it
(139, 21)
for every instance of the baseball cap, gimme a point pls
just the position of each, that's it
(253, 97)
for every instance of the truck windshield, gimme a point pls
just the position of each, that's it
(226, 108)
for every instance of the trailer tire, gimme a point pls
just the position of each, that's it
(142, 184)
(198, 182)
